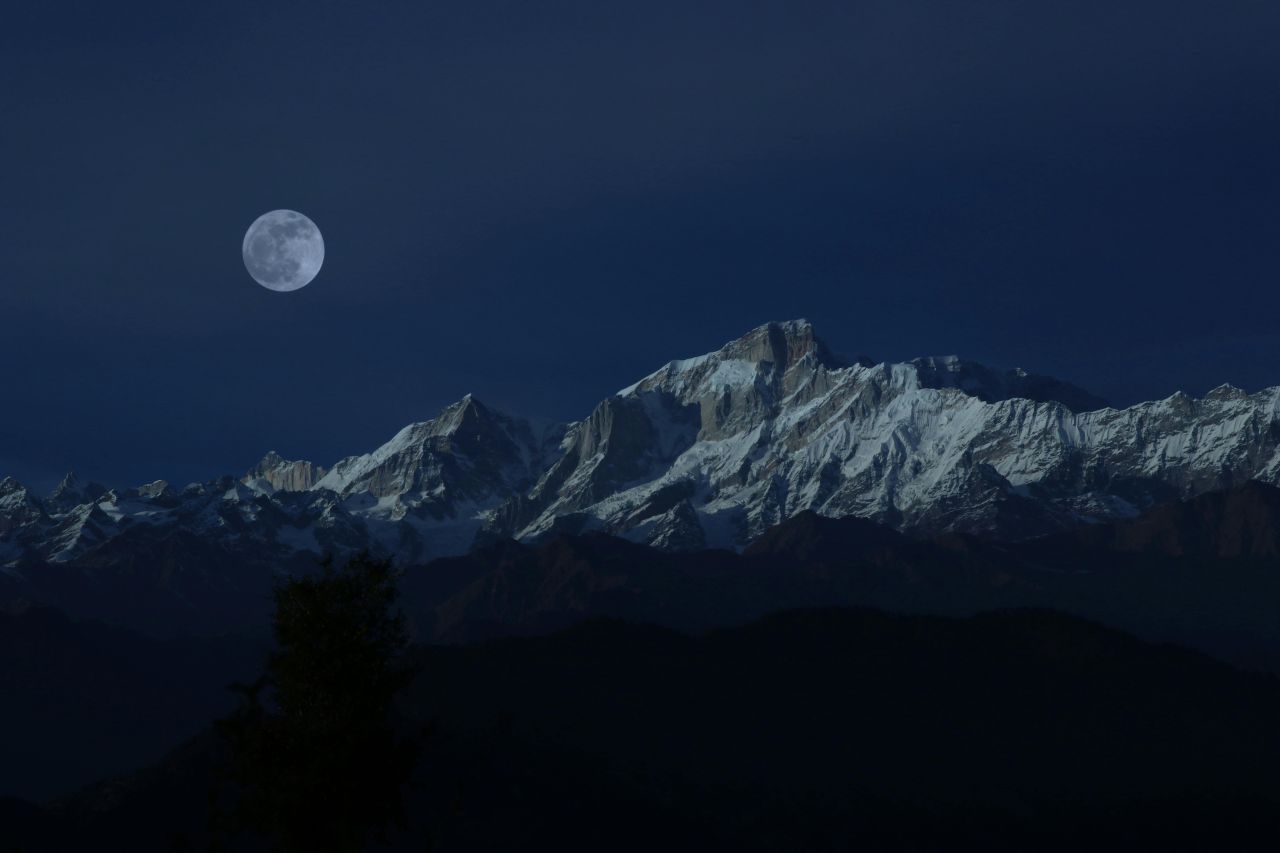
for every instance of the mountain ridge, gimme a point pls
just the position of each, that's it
(708, 451)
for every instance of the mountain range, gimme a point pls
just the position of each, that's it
(704, 453)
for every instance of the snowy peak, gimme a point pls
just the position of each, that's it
(155, 489)
(68, 488)
(469, 451)
(18, 508)
(781, 346)
(430, 489)
(765, 355)
(466, 415)
(274, 473)
(72, 492)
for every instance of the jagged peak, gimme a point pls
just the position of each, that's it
(1226, 389)
(271, 460)
(461, 414)
(281, 474)
(468, 406)
(781, 345)
(451, 412)
(468, 414)
(466, 427)
(154, 489)
(70, 483)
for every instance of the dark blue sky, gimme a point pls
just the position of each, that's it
(541, 202)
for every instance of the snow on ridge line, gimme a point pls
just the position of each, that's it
(713, 461)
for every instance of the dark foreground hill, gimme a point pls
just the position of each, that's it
(816, 730)
(81, 700)
(1204, 573)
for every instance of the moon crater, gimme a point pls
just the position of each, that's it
(283, 250)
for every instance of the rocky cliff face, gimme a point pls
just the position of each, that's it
(713, 450)
(18, 508)
(425, 493)
(277, 474)
(706, 451)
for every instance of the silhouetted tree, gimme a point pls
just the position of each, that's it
(317, 763)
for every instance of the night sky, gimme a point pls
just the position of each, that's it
(542, 202)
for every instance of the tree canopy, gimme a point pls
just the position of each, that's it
(317, 762)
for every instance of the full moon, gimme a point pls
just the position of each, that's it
(283, 250)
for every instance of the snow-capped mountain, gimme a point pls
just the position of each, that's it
(423, 494)
(706, 451)
(710, 451)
